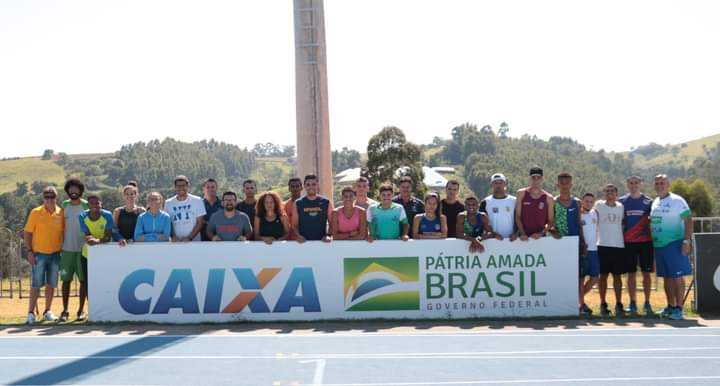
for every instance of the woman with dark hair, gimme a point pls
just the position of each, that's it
(271, 222)
(432, 224)
(125, 217)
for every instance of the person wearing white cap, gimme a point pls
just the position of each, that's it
(500, 209)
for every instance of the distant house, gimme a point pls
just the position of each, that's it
(433, 179)
(444, 169)
(347, 176)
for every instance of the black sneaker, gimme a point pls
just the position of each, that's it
(632, 309)
(619, 310)
(64, 316)
(605, 311)
(585, 310)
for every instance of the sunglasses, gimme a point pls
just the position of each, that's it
(49, 196)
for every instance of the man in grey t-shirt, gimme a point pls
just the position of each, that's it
(73, 241)
(230, 224)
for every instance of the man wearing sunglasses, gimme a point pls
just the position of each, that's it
(44, 239)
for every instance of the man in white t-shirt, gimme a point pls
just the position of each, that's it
(671, 225)
(590, 263)
(500, 208)
(186, 212)
(611, 247)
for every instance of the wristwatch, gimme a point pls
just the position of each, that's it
(686, 241)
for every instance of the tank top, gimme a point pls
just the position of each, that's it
(347, 225)
(272, 228)
(473, 230)
(312, 217)
(126, 223)
(429, 226)
(534, 213)
(567, 220)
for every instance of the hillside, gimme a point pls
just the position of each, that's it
(29, 170)
(685, 153)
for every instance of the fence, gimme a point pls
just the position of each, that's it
(15, 270)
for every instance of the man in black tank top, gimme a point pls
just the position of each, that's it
(451, 207)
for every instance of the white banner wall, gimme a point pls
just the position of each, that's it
(418, 279)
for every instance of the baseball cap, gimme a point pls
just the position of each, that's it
(498, 177)
(536, 171)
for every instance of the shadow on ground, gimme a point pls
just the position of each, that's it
(330, 327)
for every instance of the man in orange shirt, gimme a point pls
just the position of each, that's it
(295, 187)
(44, 240)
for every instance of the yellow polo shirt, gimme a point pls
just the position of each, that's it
(46, 228)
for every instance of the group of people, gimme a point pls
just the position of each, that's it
(616, 235)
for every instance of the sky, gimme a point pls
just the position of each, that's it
(90, 76)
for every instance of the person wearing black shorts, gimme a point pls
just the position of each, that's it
(638, 242)
(611, 248)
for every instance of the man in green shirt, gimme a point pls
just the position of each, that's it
(387, 220)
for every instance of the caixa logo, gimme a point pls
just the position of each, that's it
(179, 291)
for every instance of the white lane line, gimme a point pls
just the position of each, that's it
(407, 355)
(474, 357)
(522, 381)
(319, 370)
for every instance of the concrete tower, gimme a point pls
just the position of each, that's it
(311, 95)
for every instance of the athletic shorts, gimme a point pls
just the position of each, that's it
(612, 260)
(45, 270)
(639, 254)
(71, 265)
(590, 264)
(671, 262)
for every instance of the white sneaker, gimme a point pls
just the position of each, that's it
(49, 316)
(30, 319)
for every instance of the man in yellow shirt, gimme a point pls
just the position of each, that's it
(44, 239)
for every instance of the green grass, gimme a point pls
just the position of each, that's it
(29, 170)
(685, 155)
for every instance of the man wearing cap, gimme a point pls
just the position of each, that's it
(500, 209)
(533, 214)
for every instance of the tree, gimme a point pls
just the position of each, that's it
(466, 140)
(64, 159)
(504, 129)
(389, 151)
(345, 159)
(288, 151)
(697, 195)
(21, 188)
(680, 187)
(111, 198)
(700, 199)
(48, 154)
